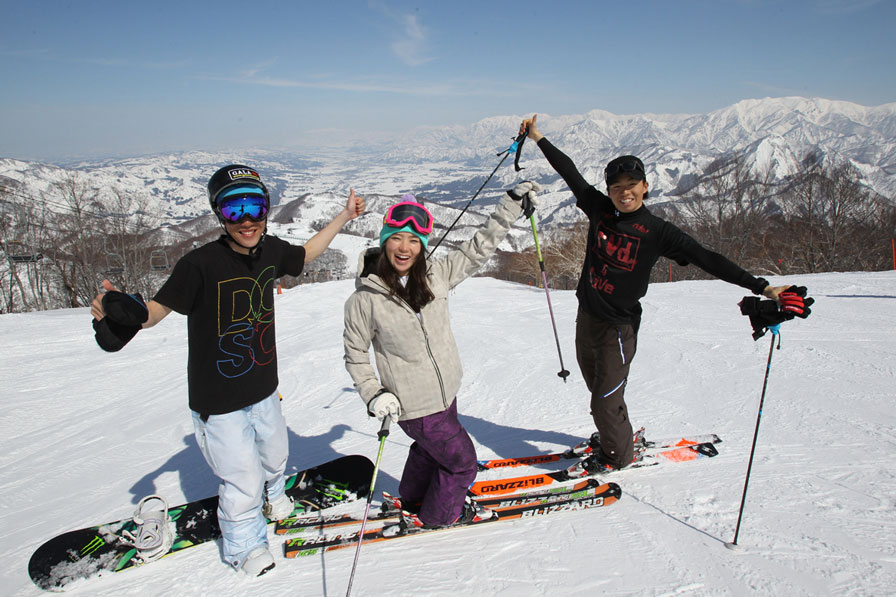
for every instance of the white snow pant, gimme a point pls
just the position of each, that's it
(246, 449)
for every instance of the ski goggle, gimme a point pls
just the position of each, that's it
(241, 207)
(411, 213)
(625, 167)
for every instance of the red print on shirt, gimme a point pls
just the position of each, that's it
(618, 250)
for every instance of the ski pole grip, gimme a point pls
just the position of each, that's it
(384, 429)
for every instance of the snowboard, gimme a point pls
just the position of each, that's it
(98, 550)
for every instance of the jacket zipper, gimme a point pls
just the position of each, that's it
(432, 358)
(434, 364)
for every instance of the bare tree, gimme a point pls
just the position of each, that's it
(829, 214)
(76, 245)
(727, 208)
(519, 267)
(564, 253)
(27, 277)
(127, 258)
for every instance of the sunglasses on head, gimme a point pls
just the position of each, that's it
(624, 167)
(242, 207)
(407, 212)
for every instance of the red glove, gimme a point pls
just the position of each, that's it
(794, 303)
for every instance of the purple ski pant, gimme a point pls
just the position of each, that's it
(441, 465)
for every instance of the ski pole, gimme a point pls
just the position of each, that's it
(383, 434)
(515, 147)
(775, 330)
(563, 372)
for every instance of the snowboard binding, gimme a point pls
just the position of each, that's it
(153, 538)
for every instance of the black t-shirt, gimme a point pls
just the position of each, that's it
(228, 299)
(622, 249)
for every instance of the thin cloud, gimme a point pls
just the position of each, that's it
(253, 71)
(460, 88)
(411, 47)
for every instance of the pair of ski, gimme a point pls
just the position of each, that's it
(97, 550)
(650, 453)
(552, 492)
(585, 494)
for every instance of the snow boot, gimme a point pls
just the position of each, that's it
(472, 513)
(588, 467)
(475, 512)
(584, 448)
(259, 562)
(279, 509)
(639, 440)
(594, 465)
(393, 503)
(592, 445)
(153, 536)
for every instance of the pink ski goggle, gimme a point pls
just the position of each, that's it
(408, 212)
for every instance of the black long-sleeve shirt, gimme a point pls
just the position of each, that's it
(622, 249)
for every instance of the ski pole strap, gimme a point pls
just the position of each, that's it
(513, 148)
(518, 148)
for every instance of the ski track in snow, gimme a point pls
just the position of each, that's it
(86, 434)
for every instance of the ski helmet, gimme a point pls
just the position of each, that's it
(233, 175)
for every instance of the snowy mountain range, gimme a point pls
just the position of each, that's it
(448, 164)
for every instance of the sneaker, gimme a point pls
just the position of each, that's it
(259, 562)
(279, 509)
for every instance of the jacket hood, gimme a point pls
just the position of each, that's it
(367, 264)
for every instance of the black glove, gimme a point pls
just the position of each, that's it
(125, 315)
(794, 303)
(763, 314)
(526, 193)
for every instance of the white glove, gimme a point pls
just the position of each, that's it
(526, 193)
(385, 405)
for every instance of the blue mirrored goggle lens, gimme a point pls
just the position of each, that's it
(236, 209)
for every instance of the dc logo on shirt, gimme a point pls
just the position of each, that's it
(245, 323)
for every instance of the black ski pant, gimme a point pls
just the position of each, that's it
(605, 352)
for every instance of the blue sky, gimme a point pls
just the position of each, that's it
(111, 78)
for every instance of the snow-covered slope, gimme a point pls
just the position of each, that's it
(85, 434)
